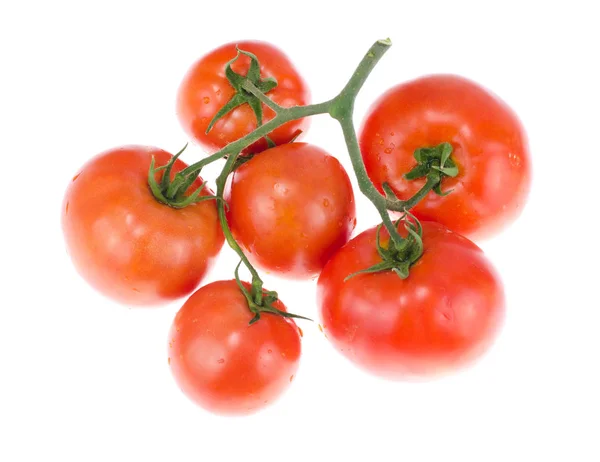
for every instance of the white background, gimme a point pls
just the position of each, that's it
(84, 379)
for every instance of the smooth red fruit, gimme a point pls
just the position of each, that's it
(443, 316)
(224, 364)
(205, 90)
(291, 208)
(126, 244)
(490, 148)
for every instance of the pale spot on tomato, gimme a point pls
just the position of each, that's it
(515, 160)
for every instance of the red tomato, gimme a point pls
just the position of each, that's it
(489, 146)
(441, 317)
(205, 90)
(225, 365)
(126, 244)
(291, 208)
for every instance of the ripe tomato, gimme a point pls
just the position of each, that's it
(291, 208)
(205, 90)
(224, 364)
(489, 146)
(442, 316)
(126, 244)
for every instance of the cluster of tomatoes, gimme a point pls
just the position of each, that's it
(143, 228)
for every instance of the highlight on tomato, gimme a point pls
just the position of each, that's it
(441, 317)
(225, 362)
(451, 129)
(128, 245)
(215, 110)
(291, 208)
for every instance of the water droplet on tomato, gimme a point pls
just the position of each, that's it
(381, 141)
(291, 377)
(169, 361)
(392, 133)
(387, 150)
(514, 159)
(301, 332)
(218, 92)
(354, 222)
(67, 208)
(320, 327)
(269, 351)
(206, 100)
(136, 290)
(280, 188)
(76, 176)
(221, 361)
(325, 202)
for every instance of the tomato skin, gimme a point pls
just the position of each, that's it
(205, 90)
(224, 364)
(490, 147)
(127, 245)
(441, 317)
(291, 208)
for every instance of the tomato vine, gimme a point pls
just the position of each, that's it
(434, 163)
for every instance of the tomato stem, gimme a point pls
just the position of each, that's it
(221, 180)
(251, 88)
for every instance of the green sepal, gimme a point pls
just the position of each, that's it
(235, 101)
(398, 257)
(261, 301)
(242, 96)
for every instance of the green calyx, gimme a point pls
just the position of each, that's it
(398, 256)
(173, 192)
(261, 301)
(434, 163)
(243, 96)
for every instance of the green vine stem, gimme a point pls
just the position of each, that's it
(433, 162)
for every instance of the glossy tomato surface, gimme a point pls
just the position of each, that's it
(489, 143)
(205, 90)
(291, 208)
(443, 316)
(126, 244)
(224, 364)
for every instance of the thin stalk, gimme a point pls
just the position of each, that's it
(221, 180)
